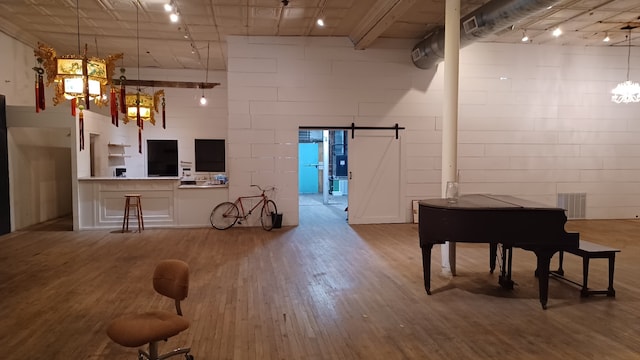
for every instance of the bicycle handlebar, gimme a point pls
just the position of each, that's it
(263, 190)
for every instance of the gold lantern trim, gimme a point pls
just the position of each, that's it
(77, 76)
(147, 104)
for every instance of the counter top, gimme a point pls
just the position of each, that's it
(101, 178)
(202, 186)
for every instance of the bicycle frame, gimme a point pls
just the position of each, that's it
(240, 204)
(227, 213)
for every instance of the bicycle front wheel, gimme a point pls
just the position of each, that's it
(268, 212)
(224, 215)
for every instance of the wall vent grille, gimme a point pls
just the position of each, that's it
(574, 203)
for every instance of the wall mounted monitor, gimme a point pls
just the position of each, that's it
(210, 155)
(162, 158)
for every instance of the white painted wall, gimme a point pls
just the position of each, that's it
(548, 128)
(186, 120)
(41, 165)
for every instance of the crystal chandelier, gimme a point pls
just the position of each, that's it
(627, 91)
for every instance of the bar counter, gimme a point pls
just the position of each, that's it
(165, 202)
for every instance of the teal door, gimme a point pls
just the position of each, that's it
(308, 168)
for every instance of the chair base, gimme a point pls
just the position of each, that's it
(153, 353)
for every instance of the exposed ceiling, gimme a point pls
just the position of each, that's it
(110, 26)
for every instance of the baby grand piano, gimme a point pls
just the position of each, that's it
(494, 219)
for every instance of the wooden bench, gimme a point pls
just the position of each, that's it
(588, 250)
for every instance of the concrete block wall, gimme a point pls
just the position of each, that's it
(535, 120)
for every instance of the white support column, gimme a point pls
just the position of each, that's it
(450, 112)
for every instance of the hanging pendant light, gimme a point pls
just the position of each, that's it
(627, 91)
(203, 99)
(140, 105)
(76, 76)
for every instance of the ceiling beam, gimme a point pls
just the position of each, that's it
(163, 84)
(379, 18)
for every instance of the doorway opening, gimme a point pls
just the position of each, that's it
(323, 174)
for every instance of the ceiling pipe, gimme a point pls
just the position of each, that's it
(488, 19)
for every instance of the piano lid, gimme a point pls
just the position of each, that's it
(484, 202)
(505, 219)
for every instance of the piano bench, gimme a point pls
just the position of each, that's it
(588, 250)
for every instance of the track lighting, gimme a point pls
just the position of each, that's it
(606, 38)
(525, 38)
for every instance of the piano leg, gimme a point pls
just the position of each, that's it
(493, 251)
(544, 261)
(426, 267)
(505, 271)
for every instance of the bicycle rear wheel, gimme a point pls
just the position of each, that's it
(268, 209)
(224, 215)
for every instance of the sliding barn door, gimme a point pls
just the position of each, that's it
(375, 191)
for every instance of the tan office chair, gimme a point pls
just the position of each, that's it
(171, 279)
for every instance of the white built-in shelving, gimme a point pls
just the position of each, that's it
(118, 150)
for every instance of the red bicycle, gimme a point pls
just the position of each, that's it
(226, 214)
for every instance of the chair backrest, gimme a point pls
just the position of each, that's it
(171, 279)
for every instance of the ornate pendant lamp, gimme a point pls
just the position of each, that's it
(77, 77)
(627, 91)
(140, 105)
(147, 105)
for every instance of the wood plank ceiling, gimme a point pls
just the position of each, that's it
(109, 26)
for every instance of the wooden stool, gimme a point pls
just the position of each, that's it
(129, 204)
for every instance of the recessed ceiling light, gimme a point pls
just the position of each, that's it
(168, 7)
(557, 32)
(320, 22)
(173, 17)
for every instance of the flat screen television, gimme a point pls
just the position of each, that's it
(162, 158)
(210, 155)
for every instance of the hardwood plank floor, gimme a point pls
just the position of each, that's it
(321, 290)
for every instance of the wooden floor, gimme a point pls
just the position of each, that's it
(321, 290)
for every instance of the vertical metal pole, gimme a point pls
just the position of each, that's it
(325, 167)
(450, 111)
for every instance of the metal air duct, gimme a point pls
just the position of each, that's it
(482, 22)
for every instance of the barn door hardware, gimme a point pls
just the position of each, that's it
(353, 128)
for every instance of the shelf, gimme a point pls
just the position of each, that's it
(117, 150)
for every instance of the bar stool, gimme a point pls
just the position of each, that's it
(128, 204)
